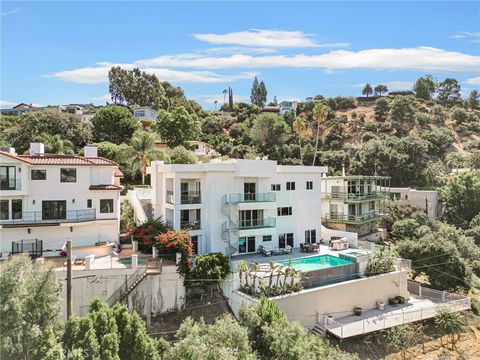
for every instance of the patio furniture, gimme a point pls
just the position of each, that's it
(401, 299)
(357, 310)
(314, 247)
(339, 244)
(393, 301)
(266, 250)
(304, 247)
(381, 304)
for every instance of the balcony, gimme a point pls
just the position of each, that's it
(190, 197)
(354, 219)
(356, 197)
(251, 197)
(257, 223)
(10, 184)
(190, 224)
(36, 217)
(170, 198)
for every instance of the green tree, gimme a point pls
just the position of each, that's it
(403, 210)
(382, 107)
(367, 90)
(177, 127)
(452, 323)
(31, 311)
(425, 87)
(80, 337)
(401, 337)
(34, 125)
(269, 132)
(404, 229)
(180, 155)
(115, 124)
(459, 115)
(258, 93)
(461, 195)
(402, 113)
(320, 115)
(380, 89)
(473, 99)
(135, 88)
(448, 92)
(54, 144)
(440, 140)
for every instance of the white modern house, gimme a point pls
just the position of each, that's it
(146, 116)
(46, 199)
(201, 148)
(235, 206)
(425, 199)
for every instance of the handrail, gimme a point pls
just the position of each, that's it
(257, 223)
(236, 198)
(125, 287)
(38, 217)
(341, 195)
(349, 217)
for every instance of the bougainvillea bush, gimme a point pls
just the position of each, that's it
(148, 232)
(176, 241)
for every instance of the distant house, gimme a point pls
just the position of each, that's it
(282, 108)
(202, 148)
(21, 109)
(425, 199)
(146, 116)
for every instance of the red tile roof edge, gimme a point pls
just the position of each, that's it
(88, 161)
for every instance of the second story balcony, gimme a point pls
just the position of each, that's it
(257, 223)
(190, 224)
(10, 184)
(356, 197)
(354, 219)
(39, 217)
(190, 197)
(251, 197)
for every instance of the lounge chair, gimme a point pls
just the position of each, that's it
(266, 250)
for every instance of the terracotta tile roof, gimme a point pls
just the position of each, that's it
(105, 187)
(51, 159)
(118, 173)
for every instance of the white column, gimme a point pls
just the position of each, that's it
(154, 252)
(134, 261)
(134, 246)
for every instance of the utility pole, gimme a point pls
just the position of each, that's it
(69, 278)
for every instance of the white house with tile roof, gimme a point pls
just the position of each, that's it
(46, 199)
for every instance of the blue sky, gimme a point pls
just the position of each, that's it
(60, 52)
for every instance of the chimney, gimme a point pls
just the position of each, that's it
(8, 149)
(90, 151)
(37, 149)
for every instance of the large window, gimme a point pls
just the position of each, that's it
(311, 236)
(3, 209)
(284, 211)
(68, 175)
(17, 209)
(7, 178)
(285, 239)
(39, 174)
(250, 218)
(290, 185)
(54, 210)
(106, 206)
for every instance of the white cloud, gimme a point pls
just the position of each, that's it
(418, 58)
(99, 75)
(237, 50)
(399, 85)
(10, 12)
(473, 81)
(210, 99)
(473, 36)
(266, 38)
(7, 104)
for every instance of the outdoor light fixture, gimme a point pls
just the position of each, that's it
(33, 202)
(19, 169)
(73, 201)
(71, 228)
(28, 230)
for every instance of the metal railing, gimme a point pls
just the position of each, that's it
(30, 217)
(34, 247)
(190, 224)
(373, 195)
(10, 184)
(340, 217)
(126, 287)
(190, 197)
(257, 223)
(251, 197)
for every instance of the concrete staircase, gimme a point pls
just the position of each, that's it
(127, 287)
(318, 330)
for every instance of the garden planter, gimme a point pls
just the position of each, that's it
(393, 301)
(357, 310)
(381, 304)
(401, 299)
(329, 319)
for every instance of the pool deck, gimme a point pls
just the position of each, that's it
(296, 254)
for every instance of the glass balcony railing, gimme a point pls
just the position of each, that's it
(33, 217)
(257, 223)
(356, 196)
(348, 218)
(190, 224)
(190, 197)
(252, 197)
(10, 184)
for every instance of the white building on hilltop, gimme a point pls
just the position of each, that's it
(425, 199)
(46, 199)
(235, 206)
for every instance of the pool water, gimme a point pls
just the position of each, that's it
(128, 261)
(355, 253)
(316, 262)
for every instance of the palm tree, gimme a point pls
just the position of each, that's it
(320, 114)
(55, 145)
(142, 144)
(225, 91)
(243, 268)
(300, 128)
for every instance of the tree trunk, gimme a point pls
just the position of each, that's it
(143, 178)
(301, 152)
(316, 144)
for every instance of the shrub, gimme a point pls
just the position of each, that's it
(213, 267)
(382, 261)
(459, 115)
(422, 119)
(452, 323)
(126, 216)
(172, 242)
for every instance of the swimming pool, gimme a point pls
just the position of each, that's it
(355, 253)
(312, 263)
(128, 261)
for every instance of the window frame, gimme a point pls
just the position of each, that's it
(36, 171)
(101, 209)
(290, 186)
(16, 215)
(6, 183)
(266, 236)
(62, 175)
(309, 185)
(284, 211)
(89, 203)
(276, 187)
